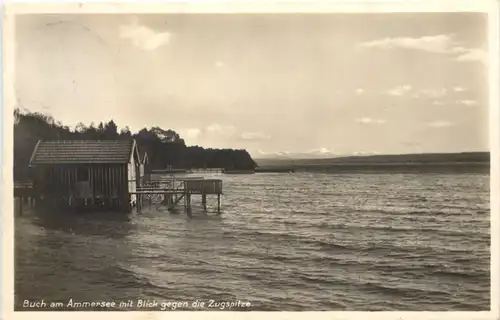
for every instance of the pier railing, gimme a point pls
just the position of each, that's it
(170, 190)
(167, 183)
(194, 185)
(22, 189)
(23, 185)
(208, 186)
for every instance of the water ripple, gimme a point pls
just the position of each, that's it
(284, 242)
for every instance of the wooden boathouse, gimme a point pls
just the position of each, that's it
(105, 174)
(86, 173)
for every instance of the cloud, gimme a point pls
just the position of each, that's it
(320, 152)
(459, 89)
(399, 91)
(467, 102)
(216, 131)
(438, 103)
(432, 93)
(193, 133)
(442, 44)
(437, 44)
(212, 131)
(254, 136)
(226, 130)
(473, 55)
(427, 93)
(440, 124)
(277, 153)
(366, 120)
(219, 64)
(360, 91)
(144, 37)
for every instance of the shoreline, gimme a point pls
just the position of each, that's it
(452, 167)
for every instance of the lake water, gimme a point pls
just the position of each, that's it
(291, 242)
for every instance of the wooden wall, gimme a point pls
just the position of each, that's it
(109, 181)
(105, 181)
(208, 186)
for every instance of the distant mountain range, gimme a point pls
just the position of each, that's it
(311, 159)
(312, 154)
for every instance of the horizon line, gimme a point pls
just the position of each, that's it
(277, 157)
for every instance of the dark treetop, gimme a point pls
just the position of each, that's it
(164, 147)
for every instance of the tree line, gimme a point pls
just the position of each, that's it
(165, 147)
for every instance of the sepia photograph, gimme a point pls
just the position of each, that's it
(251, 161)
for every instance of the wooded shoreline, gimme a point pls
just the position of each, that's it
(165, 148)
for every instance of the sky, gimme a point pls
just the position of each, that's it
(320, 84)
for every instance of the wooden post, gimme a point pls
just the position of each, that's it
(21, 206)
(92, 178)
(25, 198)
(204, 201)
(141, 201)
(169, 200)
(218, 202)
(36, 198)
(138, 203)
(188, 204)
(189, 201)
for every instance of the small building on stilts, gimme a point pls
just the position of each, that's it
(87, 174)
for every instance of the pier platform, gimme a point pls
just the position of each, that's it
(170, 192)
(164, 191)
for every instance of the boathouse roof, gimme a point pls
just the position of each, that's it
(83, 151)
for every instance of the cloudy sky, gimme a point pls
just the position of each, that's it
(341, 83)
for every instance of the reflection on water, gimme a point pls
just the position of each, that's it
(70, 255)
(112, 225)
(344, 242)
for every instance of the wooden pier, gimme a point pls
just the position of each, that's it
(25, 192)
(104, 175)
(170, 191)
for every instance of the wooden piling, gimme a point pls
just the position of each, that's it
(21, 206)
(188, 196)
(188, 204)
(138, 203)
(172, 194)
(170, 200)
(218, 203)
(204, 201)
(141, 201)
